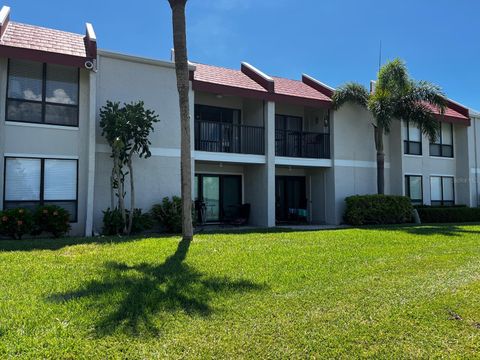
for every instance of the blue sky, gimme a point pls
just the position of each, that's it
(335, 41)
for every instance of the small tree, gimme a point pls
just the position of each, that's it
(126, 129)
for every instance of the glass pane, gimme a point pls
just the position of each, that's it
(436, 188)
(61, 115)
(195, 188)
(405, 130)
(62, 84)
(447, 134)
(211, 197)
(279, 122)
(447, 150)
(60, 180)
(294, 123)
(70, 206)
(25, 80)
(414, 133)
(30, 205)
(435, 150)
(232, 196)
(22, 179)
(415, 187)
(24, 111)
(448, 189)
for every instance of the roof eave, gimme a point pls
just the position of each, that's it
(42, 56)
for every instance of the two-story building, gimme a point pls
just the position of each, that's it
(270, 142)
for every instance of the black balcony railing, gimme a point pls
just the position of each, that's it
(302, 144)
(229, 138)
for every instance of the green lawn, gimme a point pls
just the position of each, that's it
(401, 292)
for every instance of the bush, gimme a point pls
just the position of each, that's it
(51, 219)
(169, 214)
(113, 223)
(16, 222)
(377, 209)
(448, 214)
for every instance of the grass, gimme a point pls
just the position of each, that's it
(400, 292)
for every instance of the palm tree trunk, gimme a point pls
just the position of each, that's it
(182, 72)
(380, 160)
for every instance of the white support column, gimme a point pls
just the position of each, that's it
(92, 104)
(269, 116)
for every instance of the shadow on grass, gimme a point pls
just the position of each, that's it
(132, 298)
(32, 244)
(429, 229)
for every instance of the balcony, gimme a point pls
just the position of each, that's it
(224, 137)
(302, 144)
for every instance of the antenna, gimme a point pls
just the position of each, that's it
(380, 56)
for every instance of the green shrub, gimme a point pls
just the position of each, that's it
(16, 222)
(113, 223)
(51, 219)
(169, 214)
(448, 214)
(377, 209)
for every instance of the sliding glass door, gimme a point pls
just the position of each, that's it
(221, 195)
(291, 201)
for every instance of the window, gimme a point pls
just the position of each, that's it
(412, 143)
(217, 114)
(414, 188)
(442, 190)
(33, 182)
(42, 93)
(444, 144)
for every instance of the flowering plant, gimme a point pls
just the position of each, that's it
(16, 222)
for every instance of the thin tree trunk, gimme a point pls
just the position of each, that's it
(132, 196)
(380, 160)
(112, 190)
(182, 72)
(120, 190)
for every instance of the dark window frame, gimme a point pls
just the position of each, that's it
(408, 189)
(198, 106)
(41, 201)
(43, 102)
(407, 142)
(443, 152)
(442, 202)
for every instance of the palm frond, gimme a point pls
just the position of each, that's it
(350, 92)
(423, 91)
(382, 106)
(393, 77)
(421, 115)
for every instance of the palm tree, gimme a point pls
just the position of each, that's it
(395, 97)
(181, 69)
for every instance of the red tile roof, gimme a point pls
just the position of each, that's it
(235, 82)
(42, 39)
(450, 115)
(227, 77)
(297, 88)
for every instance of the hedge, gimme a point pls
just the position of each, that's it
(448, 214)
(377, 209)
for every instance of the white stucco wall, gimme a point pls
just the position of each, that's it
(126, 79)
